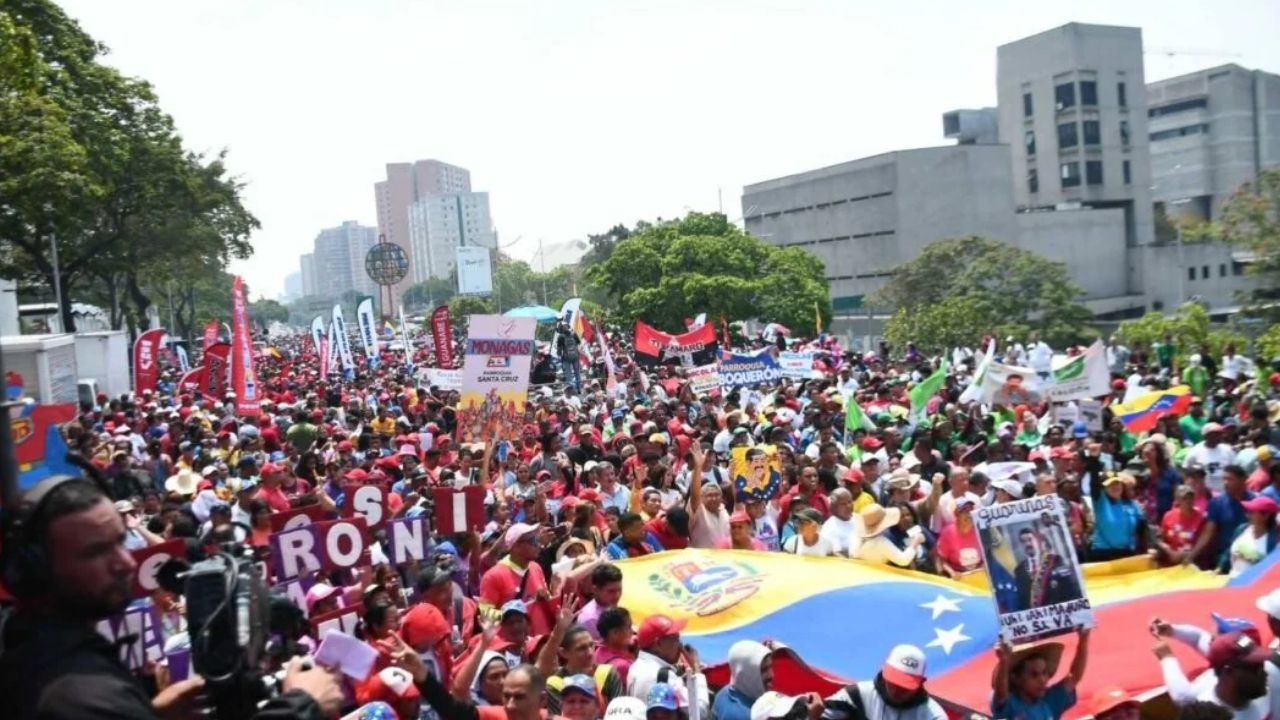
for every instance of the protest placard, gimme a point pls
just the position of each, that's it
(319, 546)
(797, 365)
(705, 380)
(368, 501)
(408, 539)
(1035, 575)
(137, 634)
(296, 518)
(1091, 413)
(149, 559)
(346, 619)
(743, 370)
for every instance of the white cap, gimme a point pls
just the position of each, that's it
(772, 704)
(626, 707)
(1270, 604)
(905, 667)
(1013, 487)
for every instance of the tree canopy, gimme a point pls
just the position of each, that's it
(88, 157)
(959, 289)
(674, 270)
(1250, 220)
(1189, 328)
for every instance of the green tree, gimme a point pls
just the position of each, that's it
(426, 295)
(266, 311)
(88, 157)
(1250, 220)
(959, 289)
(674, 270)
(465, 305)
(1188, 326)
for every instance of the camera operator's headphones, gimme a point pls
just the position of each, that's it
(24, 563)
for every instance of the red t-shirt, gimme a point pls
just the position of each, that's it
(1179, 532)
(500, 583)
(960, 551)
(275, 498)
(668, 537)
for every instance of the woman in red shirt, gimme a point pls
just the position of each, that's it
(958, 549)
(1180, 527)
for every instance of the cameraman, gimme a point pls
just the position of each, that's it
(567, 346)
(65, 561)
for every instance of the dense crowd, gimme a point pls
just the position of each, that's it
(528, 614)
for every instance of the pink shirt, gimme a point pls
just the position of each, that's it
(727, 544)
(620, 661)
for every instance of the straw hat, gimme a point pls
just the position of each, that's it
(876, 519)
(902, 479)
(182, 483)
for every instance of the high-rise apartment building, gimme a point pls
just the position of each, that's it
(1210, 132)
(439, 224)
(310, 285)
(405, 184)
(1072, 108)
(339, 259)
(292, 286)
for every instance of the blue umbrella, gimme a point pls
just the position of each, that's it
(541, 313)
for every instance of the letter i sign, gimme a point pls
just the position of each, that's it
(458, 509)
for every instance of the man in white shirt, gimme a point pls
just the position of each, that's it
(1236, 678)
(1014, 353)
(1117, 356)
(945, 514)
(843, 529)
(1211, 455)
(708, 518)
(660, 660)
(1040, 356)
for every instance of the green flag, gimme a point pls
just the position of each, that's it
(926, 389)
(854, 418)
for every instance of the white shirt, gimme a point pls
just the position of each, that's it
(1235, 366)
(882, 551)
(706, 529)
(796, 546)
(1041, 357)
(721, 442)
(1204, 687)
(1213, 460)
(945, 514)
(843, 534)
(643, 675)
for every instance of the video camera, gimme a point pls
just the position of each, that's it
(228, 616)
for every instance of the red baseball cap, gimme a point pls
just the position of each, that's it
(1236, 648)
(871, 443)
(656, 627)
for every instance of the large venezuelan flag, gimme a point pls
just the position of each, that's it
(842, 616)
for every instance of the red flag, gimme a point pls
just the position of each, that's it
(213, 383)
(146, 360)
(442, 334)
(324, 356)
(243, 380)
(191, 378)
(210, 334)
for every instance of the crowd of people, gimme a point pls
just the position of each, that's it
(526, 615)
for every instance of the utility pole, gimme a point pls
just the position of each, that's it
(543, 257)
(57, 280)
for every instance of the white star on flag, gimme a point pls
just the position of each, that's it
(942, 604)
(947, 639)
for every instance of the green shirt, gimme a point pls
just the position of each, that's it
(1027, 439)
(302, 436)
(1164, 353)
(1197, 377)
(1192, 428)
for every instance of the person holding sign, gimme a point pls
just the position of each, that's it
(1020, 683)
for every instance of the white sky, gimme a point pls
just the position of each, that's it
(578, 114)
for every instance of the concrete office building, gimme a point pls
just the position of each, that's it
(405, 184)
(1210, 132)
(310, 284)
(339, 260)
(1069, 179)
(292, 286)
(438, 224)
(1072, 109)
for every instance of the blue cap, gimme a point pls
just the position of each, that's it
(662, 695)
(277, 456)
(516, 606)
(618, 413)
(248, 484)
(247, 461)
(582, 683)
(1079, 429)
(1234, 624)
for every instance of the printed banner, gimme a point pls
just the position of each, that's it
(317, 332)
(442, 336)
(458, 510)
(745, 370)
(705, 380)
(1035, 576)
(137, 634)
(495, 374)
(798, 365)
(213, 383)
(191, 379)
(408, 344)
(445, 379)
(210, 334)
(39, 447)
(756, 472)
(184, 362)
(1091, 413)
(697, 347)
(475, 274)
(243, 380)
(341, 339)
(1084, 376)
(368, 336)
(1008, 385)
(146, 360)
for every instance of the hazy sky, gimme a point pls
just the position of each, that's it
(578, 114)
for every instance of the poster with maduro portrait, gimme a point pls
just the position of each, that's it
(1035, 575)
(495, 374)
